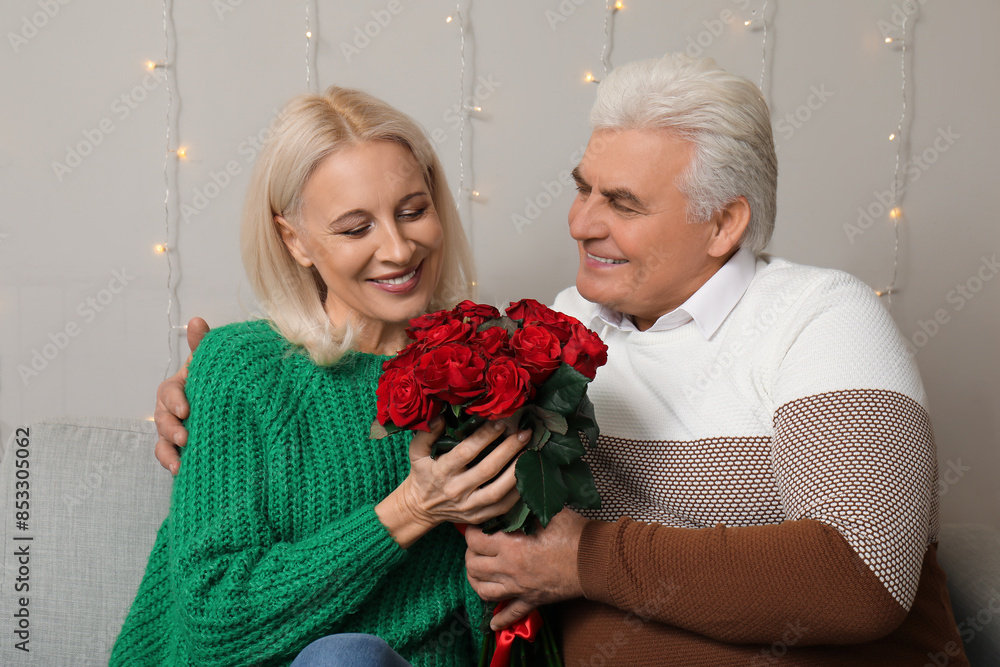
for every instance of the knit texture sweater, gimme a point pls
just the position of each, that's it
(769, 493)
(272, 540)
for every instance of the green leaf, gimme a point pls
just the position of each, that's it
(539, 436)
(443, 444)
(379, 431)
(580, 485)
(504, 322)
(457, 410)
(469, 424)
(584, 420)
(553, 421)
(562, 391)
(516, 516)
(563, 449)
(540, 485)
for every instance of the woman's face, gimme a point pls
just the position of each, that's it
(370, 228)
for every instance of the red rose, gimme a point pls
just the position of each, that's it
(537, 349)
(405, 357)
(525, 309)
(401, 400)
(493, 342)
(419, 325)
(508, 387)
(452, 373)
(531, 312)
(584, 351)
(451, 331)
(477, 313)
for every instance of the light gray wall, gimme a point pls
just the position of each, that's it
(64, 235)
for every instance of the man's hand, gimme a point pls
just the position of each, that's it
(534, 569)
(172, 405)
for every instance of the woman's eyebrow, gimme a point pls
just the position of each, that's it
(349, 218)
(411, 196)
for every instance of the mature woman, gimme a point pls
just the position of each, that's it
(287, 522)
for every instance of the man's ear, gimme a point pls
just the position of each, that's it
(293, 241)
(728, 227)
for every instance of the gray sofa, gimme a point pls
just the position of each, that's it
(95, 498)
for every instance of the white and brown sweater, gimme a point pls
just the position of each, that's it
(769, 486)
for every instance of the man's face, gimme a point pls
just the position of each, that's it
(638, 253)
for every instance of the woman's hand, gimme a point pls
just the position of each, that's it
(172, 405)
(446, 489)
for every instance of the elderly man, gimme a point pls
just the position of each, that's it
(766, 464)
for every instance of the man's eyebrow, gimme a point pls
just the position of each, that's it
(626, 196)
(623, 195)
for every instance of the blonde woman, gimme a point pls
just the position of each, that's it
(287, 523)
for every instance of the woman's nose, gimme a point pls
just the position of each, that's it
(394, 246)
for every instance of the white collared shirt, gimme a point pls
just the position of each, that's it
(708, 307)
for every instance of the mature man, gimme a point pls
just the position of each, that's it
(766, 464)
(766, 456)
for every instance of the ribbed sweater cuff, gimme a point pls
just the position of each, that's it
(367, 535)
(593, 558)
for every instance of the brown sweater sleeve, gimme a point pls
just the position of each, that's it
(740, 585)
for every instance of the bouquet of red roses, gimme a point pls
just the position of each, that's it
(530, 368)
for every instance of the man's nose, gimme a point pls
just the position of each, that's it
(587, 218)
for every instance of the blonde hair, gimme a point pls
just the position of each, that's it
(307, 131)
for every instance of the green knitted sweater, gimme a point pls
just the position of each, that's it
(272, 539)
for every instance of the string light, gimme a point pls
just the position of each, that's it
(895, 211)
(308, 44)
(448, 20)
(589, 78)
(155, 64)
(181, 152)
(761, 24)
(609, 30)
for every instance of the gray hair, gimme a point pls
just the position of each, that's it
(723, 115)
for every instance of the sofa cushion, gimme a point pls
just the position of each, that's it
(95, 499)
(970, 557)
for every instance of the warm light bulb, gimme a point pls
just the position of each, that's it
(747, 22)
(150, 65)
(309, 34)
(448, 20)
(589, 78)
(182, 152)
(160, 248)
(896, 213)
(892, 136)
(619, 5)
(888, 40)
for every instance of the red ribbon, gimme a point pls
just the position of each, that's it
(526, 628)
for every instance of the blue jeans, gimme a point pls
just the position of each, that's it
(349, 650)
